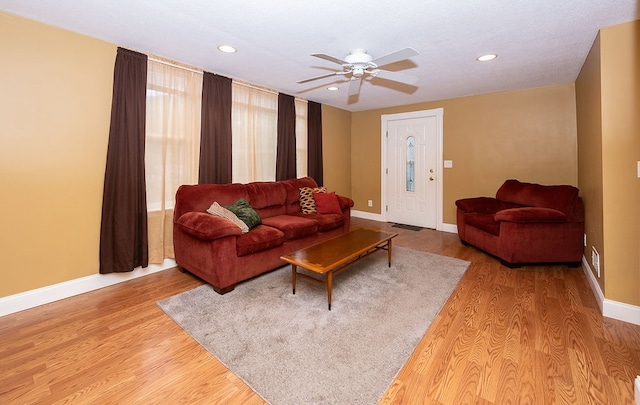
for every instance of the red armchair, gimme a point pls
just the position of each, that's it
(525, 223)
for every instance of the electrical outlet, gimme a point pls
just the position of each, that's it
(370, 203)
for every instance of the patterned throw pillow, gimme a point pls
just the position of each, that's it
(220, 211)
(307, 203)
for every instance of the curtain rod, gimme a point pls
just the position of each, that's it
(174, 64)
(199, 71)
(265, 89)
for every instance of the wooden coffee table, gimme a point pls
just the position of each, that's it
(334, 255)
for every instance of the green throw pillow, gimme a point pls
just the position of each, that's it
(245, 212)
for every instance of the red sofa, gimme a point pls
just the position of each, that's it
(214, 249)
(525, 223)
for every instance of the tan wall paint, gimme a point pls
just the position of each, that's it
(54, 129)
(620, 63)
(336, 150)
(529, 135)
(589, 122)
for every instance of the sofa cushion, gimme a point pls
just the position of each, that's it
(327, 203)
(326, 222)
(245, 212)
(205, 226)
(260, 238)
(531, 215)
(220, 211)
(559, 197)
(486, 205)
(307, 202)
(292, 226)
(267, 198)
(198, 197)
(483, 221)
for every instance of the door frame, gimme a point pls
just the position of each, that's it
(438, 113)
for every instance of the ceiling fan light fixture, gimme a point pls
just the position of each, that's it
(487, 57)
(227, 49)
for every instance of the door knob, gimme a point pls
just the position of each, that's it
(431, 178)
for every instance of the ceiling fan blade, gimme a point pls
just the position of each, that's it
(396, 77)
(320, 77)
(330, 58)
(395, 56)
(354, 86)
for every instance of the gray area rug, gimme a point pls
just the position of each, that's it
(290, 349)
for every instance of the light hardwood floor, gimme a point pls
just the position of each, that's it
(532, 335)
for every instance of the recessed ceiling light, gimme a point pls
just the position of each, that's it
(227, 49)
(485, 58)
(332, 88)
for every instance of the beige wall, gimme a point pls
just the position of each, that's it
(620, 64)
(336, 150)
(589, 123)
(55, 103)
(529, 135)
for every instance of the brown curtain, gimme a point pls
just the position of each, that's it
(286, 149)
(314, 142)
(215, 134)
(123, 232)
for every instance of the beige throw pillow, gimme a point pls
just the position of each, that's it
(218, 210)
(307, 203)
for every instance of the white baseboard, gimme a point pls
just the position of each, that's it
(609, 308)
(55, 292)
(452, 228)
(366, 215)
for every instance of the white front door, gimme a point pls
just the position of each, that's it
(412, 168)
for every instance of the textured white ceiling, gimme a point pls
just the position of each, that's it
(539, 42)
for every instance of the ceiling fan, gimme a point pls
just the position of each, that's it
(359, 64)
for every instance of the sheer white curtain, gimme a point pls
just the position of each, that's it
(301, 137)
(174, 99)
(254, 133)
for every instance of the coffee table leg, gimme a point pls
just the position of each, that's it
(329, 284)
(389, 251)
(293, 278)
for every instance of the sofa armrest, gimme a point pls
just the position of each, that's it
(526, 215)
(485, 205)
(345, 202)
(206, 226)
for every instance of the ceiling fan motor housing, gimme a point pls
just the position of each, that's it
(359, 61)
(358, 56)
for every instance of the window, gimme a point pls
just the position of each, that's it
(254, 134)
(410, 158)
(174, 98)
(172, 142)
(301, 138)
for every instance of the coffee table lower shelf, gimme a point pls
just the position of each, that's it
(335, 255)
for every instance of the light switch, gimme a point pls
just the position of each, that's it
(448, 164)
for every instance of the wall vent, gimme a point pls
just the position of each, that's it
(595, 261)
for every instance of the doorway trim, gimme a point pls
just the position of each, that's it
(438, 113)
